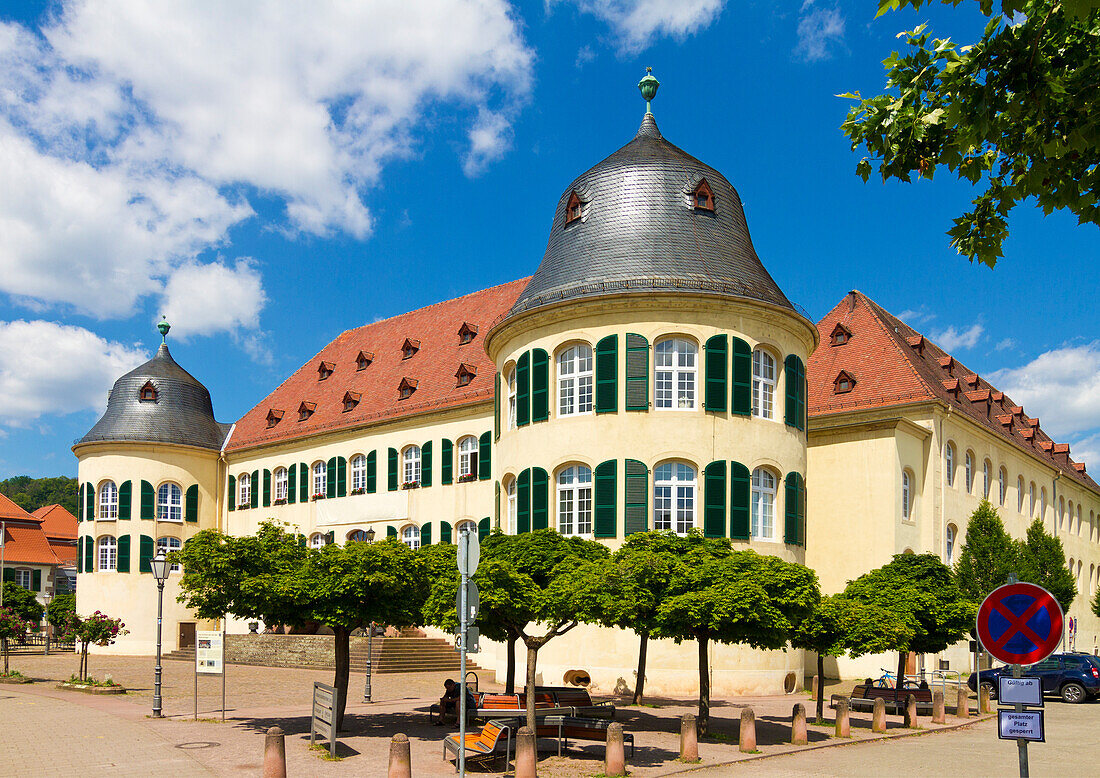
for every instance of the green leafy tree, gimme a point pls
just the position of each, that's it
(921, 591)
(30, 494)
(61, 607)
(11, 628)
(717, 594)
(99, 629)
(839, 626)
(23, 603)
(1096, 602)
(1013, 114)
(1041, 560)
(988, 554)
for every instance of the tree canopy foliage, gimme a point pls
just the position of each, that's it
(1042, 560)
(988, 554)
(22, 602)
(1013, 114)
(30, 494)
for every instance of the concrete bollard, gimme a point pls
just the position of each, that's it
(526, 753)
(689, 739)
(984, 705)
(911, 711)
(275, 754)
(748, 731)
(878, 718)
(815, 685)
(843, 725)
(614, 754)
(939, 715)
(799, 736)
(400, 758)
(962, 707)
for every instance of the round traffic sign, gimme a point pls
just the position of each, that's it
(1020, 623)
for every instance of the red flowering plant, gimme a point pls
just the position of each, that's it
(11, 627)
(99, 629)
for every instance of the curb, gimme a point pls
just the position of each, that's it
(92, 689)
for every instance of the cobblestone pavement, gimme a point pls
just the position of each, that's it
(121, 733)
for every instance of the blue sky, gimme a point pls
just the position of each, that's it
(269, 179)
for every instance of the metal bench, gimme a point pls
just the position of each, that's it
(482, 745)
(578, 728)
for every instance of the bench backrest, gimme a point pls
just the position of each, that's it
(500, 701)
(542, 700)
(490, 734)
(574, 698)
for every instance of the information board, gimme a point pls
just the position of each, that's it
(1020, 691)
(325, 700)
(209, 652)
(1020, 725)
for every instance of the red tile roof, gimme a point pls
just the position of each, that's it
(431, 370)
(26, 543)
(897, 365)
(57, 522)
(9, 510)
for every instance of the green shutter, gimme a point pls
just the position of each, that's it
(742, 378)
(484, 458)
(372, 472)
(426, 464)
(790, 509)
(635, 516)
(292, 484)
(801, 511)
(231, 497)
(341, 477)
(446, 462)
(146, 552)
(125, 500)
(426, 534)
(740, 495)
(496, 406)
(80, 504)
(36, 580)
(123, 564)
(9, 574)
(540, 499)
(191, 502)
(637, 373)
(303, 482)
(391, 470)
(444, 532)
(330, 478)
(607, 375)
(89, 496)
(267, 488)
(523, 389)
(330, 538)
(794, 375)
(714, 498)
(80, 548)
(606, 496)
(391, 532)
(715, 376)
(540, 385)
(483, 529)
(89, 554)
(254, 490)
(523, 502)
(148, 501)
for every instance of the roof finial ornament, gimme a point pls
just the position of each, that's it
(162, 327)
(648, 87)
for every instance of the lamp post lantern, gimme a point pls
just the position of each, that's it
(370, 637)
(159, 564)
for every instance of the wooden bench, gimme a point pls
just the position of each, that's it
(578, 728)
(482, 745)
(580, 704)
(864, 696)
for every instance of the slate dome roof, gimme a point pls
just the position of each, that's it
(639, 232)
(181, 412)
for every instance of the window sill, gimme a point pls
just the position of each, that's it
(107, 518)
(174, 521)
(681, 410)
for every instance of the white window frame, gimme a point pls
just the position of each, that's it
(1031, 500)
(410, 458)
(467, 455)
(359, 473)
(677, 495)
(410, 536)
(575, 380)
(987, 478)
(906, 496)
(763, 504)
(968, 467)
(357, 535)
(1002, 485)
(675, 384)
(952, 537)
(169, 544)
(510, 490)
(575, 501)
(512, 399)
(106, 554)
(24, 578)
(320, 477)
(108, 501)
(169, 502)
(1020, 494)
(462, 524)
(949, 460)
(244, 489)
(317, 540)
(1043, 503)
(282, 483)
(763, 384)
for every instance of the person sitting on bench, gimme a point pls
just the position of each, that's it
(448, 703)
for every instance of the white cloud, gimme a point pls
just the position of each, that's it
(1004, 345)
(490, 138)
(820, 31)
(48, 368)
(919, 316)
(203, 299)
(952, 339)
(636, 23)
(1061, 387)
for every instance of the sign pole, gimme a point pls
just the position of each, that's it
(223, 671)
(463, 582)
(1021, 743)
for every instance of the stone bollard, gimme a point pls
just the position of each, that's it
(984, 705)
(799, 736)
(748, 731)
(939, 715)
(815, 685)
(400, 759)
(843, 726)
(689, 739)
(614, 755)
(275, 754)
(962, 707)
(878, 718)
(526, 753)
(911, 711)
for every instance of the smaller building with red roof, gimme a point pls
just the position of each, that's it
(28, 558)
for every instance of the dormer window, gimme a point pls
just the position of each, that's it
(324, 370)
(363, 360)
(840, 335)
(274, 416)
(702, 198)
(351, 399)
(917, 342)
(148, 393)
(305, 410)
(948, 364)
(406, 388)
(466, 333)
(573, 208)
(465, 374)
(409, 347)
(844, 382)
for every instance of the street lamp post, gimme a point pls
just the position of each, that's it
(159, 564)
(370, 638)
(46, 619)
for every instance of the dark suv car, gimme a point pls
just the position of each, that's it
(1074, 677)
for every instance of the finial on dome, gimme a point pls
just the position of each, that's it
(648, 87)
(162, 327)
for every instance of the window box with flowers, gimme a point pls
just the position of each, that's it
(318, 496)
(244, 506)
(281, 501)
(465, 479)
(360, 490)
(411, 485)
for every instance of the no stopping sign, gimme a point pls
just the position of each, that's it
(1020, 623)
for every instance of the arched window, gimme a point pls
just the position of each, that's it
(987, 478)
(280, 477)
(358, 535)
(410, 536)
(169, 502)
(510, 490)
(575, 501)
(1031, 499)
(320, 478)
(951, 533)
(108, 554)
(575, 380)
(763, 504)
(1062, 526)
(969, 471)
(108, 501)
(244, 489)
(1043, 504)
(316, 540)
(763, 384)
(1020, 495)
(906, 494)
(168, 545)
(1003, 492)
(465, 526)
(467, 456)
(358, 473)
(512, 399)
(949, 463)
(411, 458)
(674, 485)
(674, 377)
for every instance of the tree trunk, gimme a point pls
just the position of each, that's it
(532, 657)
(820, 686)
(901, 676)
(510, 680)
(639, 687)
(704, 686)
(342, 640)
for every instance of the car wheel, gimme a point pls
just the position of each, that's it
(992, 689)
(1073, 692)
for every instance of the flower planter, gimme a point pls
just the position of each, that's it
(17, 679)
(89, 689)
